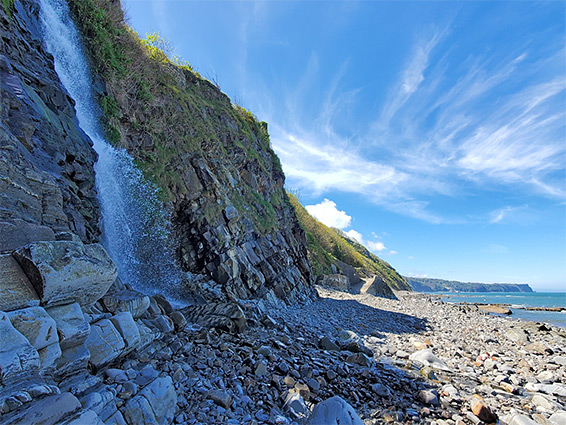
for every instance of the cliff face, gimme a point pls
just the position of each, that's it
(46, 161)
(218, 176)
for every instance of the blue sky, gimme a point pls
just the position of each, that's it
(435, 132)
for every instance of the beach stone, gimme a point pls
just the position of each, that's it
(381, 390)
(518, 419)
(63, 272)
(221, 398)
(179, 320)
(429, 397)
(146, 375)
(264, 351)
(138, 411)
(261, 369)
(427, 358)
(36, 325)
(17, 355)
(295, 406)
(334, 411)
(482, 410)
(162, 398)
(327, 344)
(359, 359)
(546, 377)
(16, 291)
(540, 348)
(104, 343)
(125, 324)
(541, 401)
(559, 360)
(47, 411)
(558, 417)
(132, 301)
(517, 335)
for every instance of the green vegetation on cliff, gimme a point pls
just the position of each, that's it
(164, 113)
(326, 245)
(423, 284)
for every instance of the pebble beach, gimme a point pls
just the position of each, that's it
(406, 361)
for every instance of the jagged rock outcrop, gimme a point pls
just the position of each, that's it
(46, 161)
(212, 161)
(379, 288)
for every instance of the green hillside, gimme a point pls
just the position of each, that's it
(327, 245)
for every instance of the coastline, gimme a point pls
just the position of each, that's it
(547, 307)
(447, 355)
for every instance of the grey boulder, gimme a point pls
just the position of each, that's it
(63, 272)
(334, 411)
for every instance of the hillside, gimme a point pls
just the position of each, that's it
(328, 247)
(217, 175)
(421, 284)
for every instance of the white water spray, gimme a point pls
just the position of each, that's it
(134, 228)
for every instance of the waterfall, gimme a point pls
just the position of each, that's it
(133, 222)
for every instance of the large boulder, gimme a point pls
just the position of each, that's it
(380, 289)
(155, 404)
(16, 291)
(63, 272)
(334, 411)
(337, 281)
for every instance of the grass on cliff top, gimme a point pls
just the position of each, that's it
(8, 7)
(325, 245)
(171, 111)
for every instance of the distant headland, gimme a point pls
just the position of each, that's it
(424, 284)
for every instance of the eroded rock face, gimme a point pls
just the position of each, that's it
(46, 161)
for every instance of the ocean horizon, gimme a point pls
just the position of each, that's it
(517, 302)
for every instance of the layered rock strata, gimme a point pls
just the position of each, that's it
(46, 162)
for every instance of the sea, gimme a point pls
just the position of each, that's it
(517, 301)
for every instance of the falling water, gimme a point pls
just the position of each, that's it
(134, 227)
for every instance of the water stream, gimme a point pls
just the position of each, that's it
(134, 228)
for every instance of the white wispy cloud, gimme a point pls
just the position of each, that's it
(446, 129)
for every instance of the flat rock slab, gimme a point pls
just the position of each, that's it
(63, 272)
(48, 411)
(16, 291)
